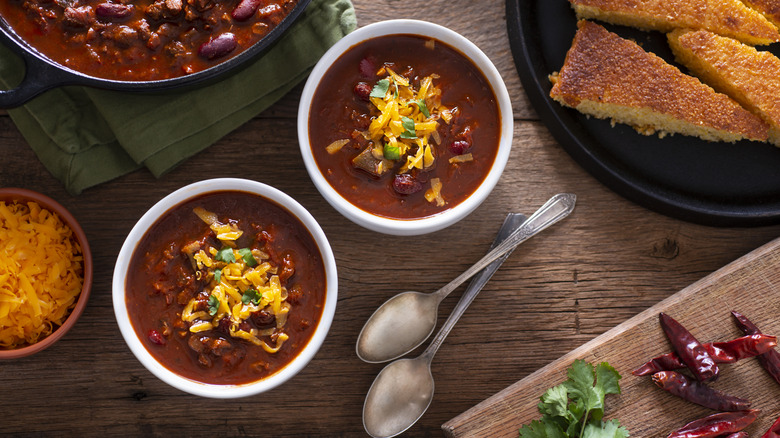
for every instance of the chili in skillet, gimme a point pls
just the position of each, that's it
(142, 40)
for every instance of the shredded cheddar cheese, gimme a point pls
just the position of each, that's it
(247, 283)
(41, 270)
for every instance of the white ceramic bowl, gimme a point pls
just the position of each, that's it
(407, 227)
(176, 198)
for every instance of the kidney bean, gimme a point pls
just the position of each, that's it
(263, 317)
(363, 91)
(245, 9)
(219, 46)
(406, 184)
(460, 147)
(156, 337)
(367, 67)
(114, 11)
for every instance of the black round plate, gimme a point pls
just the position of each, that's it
(717, 184)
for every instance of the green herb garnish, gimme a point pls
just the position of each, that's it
(251, 296)
(225, 255)
(246, 254)
(423, 108)
(391, 152)
(213, 305)
(575, 408)
(408, 125)
(380, 89)
(218, 275)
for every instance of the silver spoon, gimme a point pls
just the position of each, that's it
(403, 390)
(406, 320)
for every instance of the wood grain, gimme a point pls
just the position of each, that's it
(606, 263)
(749, 285)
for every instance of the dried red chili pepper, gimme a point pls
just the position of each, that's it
(697, 392)
(716, 425)
(769, 360)
(737, 435)
(721, 352)
(691, 352)
(774, 430)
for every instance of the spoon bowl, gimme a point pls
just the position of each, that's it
(410, 316)
(399, 396)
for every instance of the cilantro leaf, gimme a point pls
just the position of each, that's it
(251, 296)
(391, 152)
(213, 305)
(218, 275)
(380, 89)
(542, 429)
(423, 108)
(555, 402)
(225, 255)
(582, 389)
(246, 254)
(607, 377)
(408, 125)
(610, 429)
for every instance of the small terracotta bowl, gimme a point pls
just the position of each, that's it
(24, 195)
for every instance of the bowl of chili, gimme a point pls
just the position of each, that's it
(45, 271)
(225, 288)
(144, 45)
(405, 126)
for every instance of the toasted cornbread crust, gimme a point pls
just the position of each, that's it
(607, 76)
(770, 9)
(749, 76)
(724, 17)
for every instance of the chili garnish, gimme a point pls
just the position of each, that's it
(716, 425)
(774, 430)
(721, 352)
(697, 392)
(690, 350)
(769, 360)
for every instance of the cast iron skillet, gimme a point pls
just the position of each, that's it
(43, 74)
(716, 184)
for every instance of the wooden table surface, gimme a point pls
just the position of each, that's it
(607, 262)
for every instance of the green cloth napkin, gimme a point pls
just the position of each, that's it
(86, 136)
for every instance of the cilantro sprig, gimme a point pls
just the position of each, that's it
(575, 408)
(246, 254)
(380, 89)
(251, 296)
(225, 255)
(213, 304)
(408, 125)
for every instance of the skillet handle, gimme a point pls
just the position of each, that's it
(39, 76)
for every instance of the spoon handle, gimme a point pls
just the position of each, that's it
(511, 223)
(555, 209)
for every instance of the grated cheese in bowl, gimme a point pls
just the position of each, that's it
(42, 273)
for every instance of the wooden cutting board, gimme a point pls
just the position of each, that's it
(749, 285)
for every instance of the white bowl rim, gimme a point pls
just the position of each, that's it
(408, 227)
(179, 196)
